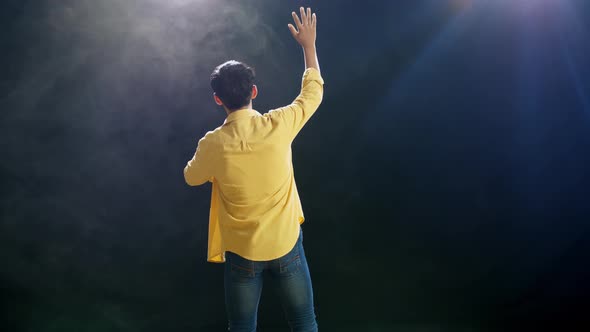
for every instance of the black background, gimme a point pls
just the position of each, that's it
(445, 178)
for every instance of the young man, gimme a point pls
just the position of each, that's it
(255, 216)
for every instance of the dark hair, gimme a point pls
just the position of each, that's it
(232, 82)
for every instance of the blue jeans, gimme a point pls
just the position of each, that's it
(243, 286)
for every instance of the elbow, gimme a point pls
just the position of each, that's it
(319, 100)
(189, 182)
(321, 95)
(315, 103)
(194, 181)
(188, 179)
(315, 100)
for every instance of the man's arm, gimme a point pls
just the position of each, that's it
(197, 171)
(305, 35)
(307, 102)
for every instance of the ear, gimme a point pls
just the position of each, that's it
(217, 100)
(254, 91)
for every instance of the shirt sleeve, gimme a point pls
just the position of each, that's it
(296, 115)
(197, 171)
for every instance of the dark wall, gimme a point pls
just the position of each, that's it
(445, 178)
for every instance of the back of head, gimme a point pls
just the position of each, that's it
(232, 82)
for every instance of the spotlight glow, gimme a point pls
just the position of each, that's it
(531, 6)
(459, 5)
(183, 3)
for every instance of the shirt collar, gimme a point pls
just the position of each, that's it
(240, 114)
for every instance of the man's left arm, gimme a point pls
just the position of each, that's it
(198, 170)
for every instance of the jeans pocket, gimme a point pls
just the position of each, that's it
(291, 262)
(240, 267)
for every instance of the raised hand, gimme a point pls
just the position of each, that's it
(305, 30)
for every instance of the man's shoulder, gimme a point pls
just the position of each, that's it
(211, 136)
(273, 114)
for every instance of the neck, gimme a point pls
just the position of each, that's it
(249, 107)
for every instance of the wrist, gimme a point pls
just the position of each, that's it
(309, 48)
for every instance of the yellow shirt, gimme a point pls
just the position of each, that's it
(255, 207)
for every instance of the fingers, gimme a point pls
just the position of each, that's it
(303, 16)
(293, 30)
(307, 19)
(296, 19)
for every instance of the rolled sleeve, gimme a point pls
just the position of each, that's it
(296, 115)
(197, 170)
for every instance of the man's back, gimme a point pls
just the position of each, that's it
(255, 216)
(255, 207)
(255, 158)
